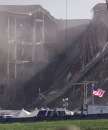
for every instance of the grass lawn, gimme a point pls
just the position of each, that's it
(53, 125)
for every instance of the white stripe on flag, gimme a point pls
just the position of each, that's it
(99, 92)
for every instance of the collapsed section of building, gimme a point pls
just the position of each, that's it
(84, 59)
(43, 53)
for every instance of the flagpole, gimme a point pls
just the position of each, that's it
(86, 92)
(92, 99)
(92, 94)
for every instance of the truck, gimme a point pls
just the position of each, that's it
(94, 109)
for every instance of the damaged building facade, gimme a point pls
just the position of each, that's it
(24, 31)
(30, 42)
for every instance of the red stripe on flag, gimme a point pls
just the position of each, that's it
(99, 92)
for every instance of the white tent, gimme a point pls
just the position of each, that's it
(34, 113)
(24, 113)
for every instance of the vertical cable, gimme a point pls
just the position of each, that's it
(8, 71)
(15, 74)
(66, 22)
(43, 29)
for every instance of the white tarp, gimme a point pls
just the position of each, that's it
(34, 113)
(24, 113)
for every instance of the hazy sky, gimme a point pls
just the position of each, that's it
(77, 9)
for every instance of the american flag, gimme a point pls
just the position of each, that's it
(99, 92)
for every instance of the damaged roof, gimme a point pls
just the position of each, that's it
(25, 10)
(20, 9)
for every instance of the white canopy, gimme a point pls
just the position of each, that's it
(34, 113)
(24, 113)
